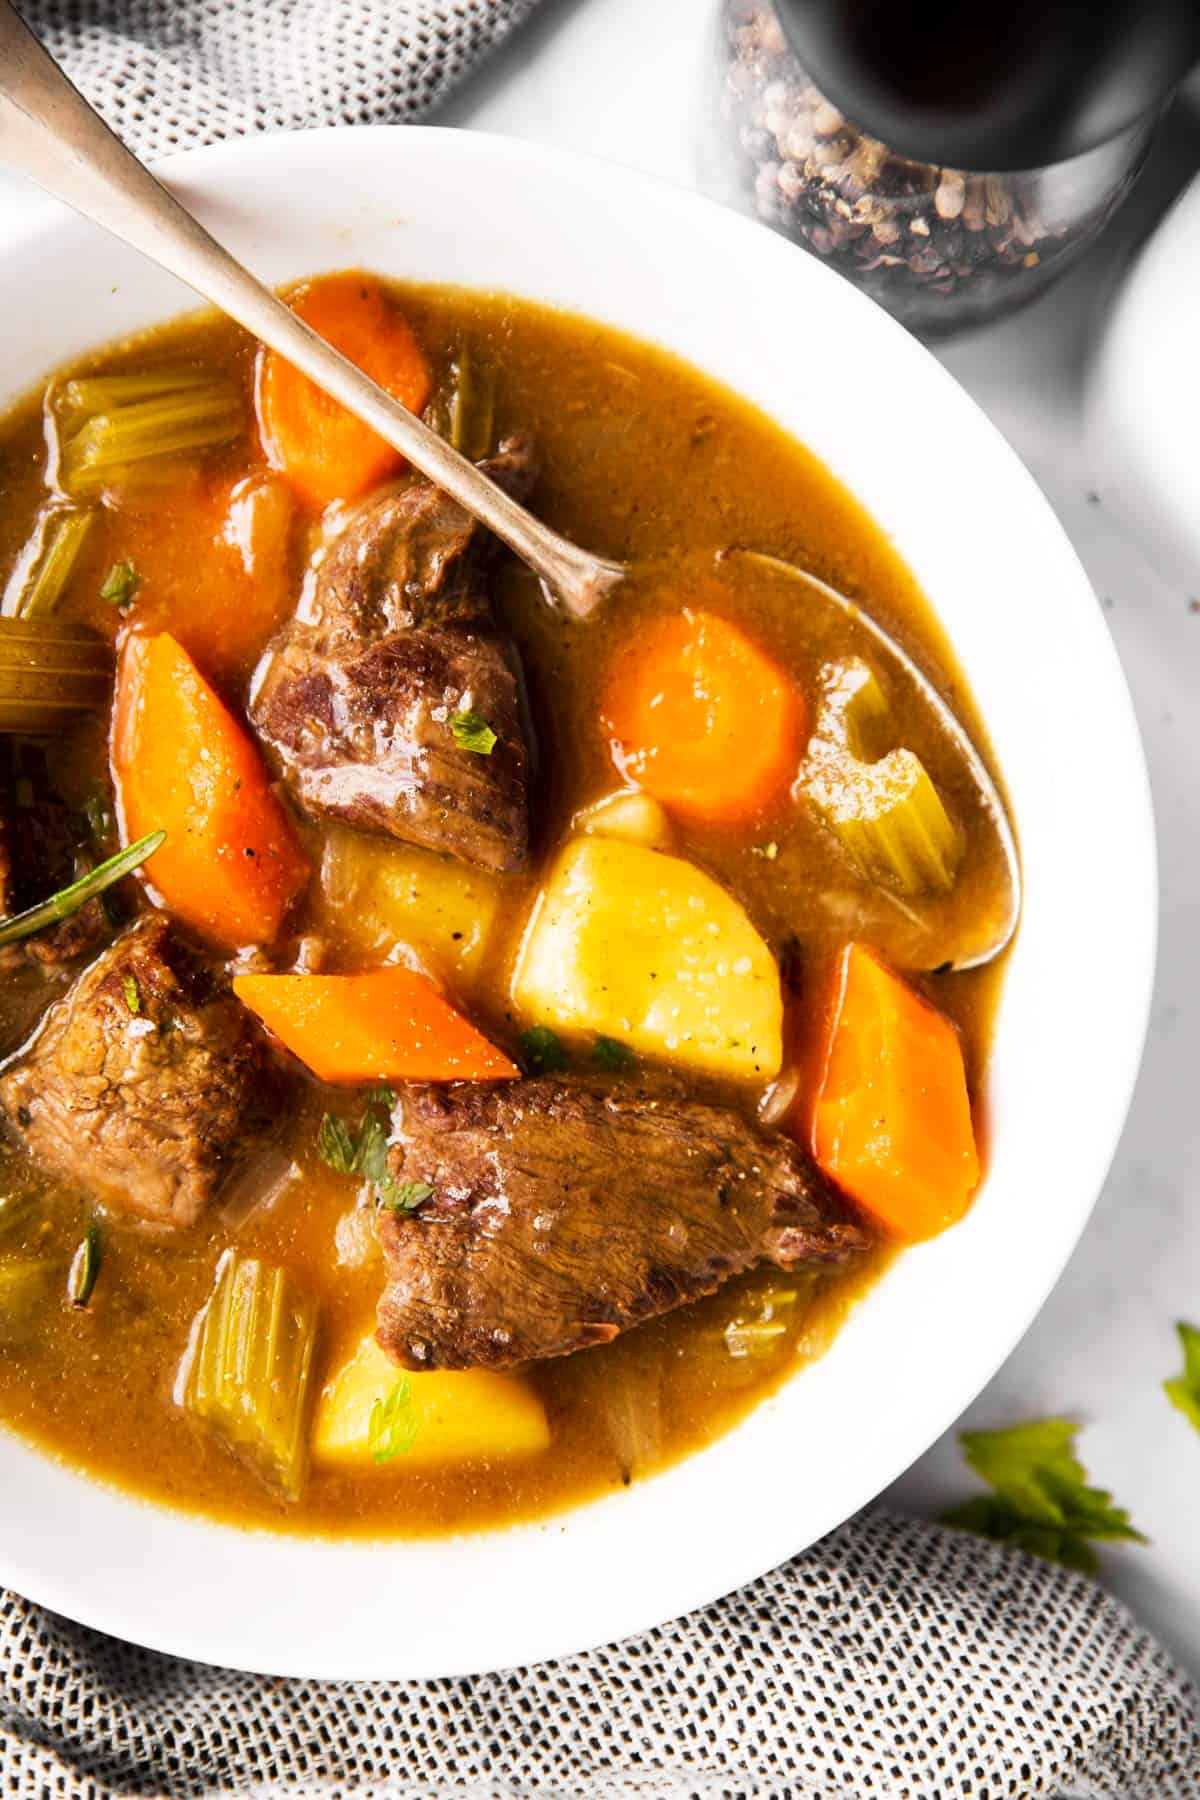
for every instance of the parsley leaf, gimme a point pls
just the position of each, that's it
(1041, 1500)
(365, 1152)
(336, 1145)
(541, 1050)
(610, 1053)
(393, 1424)
(472, 732)
(132, 993)
(1183, 1390)
(405, 1196)
(372, 1158)
(121, 585)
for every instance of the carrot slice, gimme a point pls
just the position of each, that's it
(213, 561)
(231, 865)
(891, 1121)
(326, 452)
(388, 1024)
(699, 717)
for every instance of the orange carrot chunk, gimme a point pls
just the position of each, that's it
(699, 717)
(213, 561)
(326, 453)
(387, 1024)
(891, 1121)
(231, 865)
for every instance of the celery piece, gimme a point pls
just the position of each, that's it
(473, 406)
(760, 1331)
(87, 395)
(887, 814)
(44, 567)
(465, 411)
(198, 416)
(47, 663)
(248, 1371)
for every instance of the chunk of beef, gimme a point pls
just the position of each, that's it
(43, 847)
(564, 1212)
(145, 1081)
(394, 637)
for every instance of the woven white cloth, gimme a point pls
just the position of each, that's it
(169, 73)
(896, 1661)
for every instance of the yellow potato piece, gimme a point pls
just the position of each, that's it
(628, 943)
(448, 1417)
(628, 814)
(380, 895)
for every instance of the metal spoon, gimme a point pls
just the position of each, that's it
(49, 131)
(1004, 923)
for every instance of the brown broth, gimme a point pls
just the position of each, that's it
(642, 457)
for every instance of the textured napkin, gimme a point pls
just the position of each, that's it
(895, 1661)
(169, 73)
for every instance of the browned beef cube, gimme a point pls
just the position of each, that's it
(396, 637)
(145, 1081)
(564, 1211)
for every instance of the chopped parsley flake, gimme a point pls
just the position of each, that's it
(406, 1196)
(541, 1051)
(121, 585)
(393, 1424)
(365, 1152)
(132, 993)
(471, 732)
(336, 1145)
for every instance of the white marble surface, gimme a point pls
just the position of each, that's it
(619, 78)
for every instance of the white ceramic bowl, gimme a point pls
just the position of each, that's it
(779, 328)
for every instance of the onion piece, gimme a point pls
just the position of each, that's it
(779, 1098)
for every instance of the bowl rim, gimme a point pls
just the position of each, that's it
(576, 1607)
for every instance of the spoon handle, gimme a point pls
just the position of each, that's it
(48, 130)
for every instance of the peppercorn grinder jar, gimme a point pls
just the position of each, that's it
(940, 246)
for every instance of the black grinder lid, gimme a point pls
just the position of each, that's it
(971, 85)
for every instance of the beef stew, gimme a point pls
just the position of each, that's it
(530, 1038)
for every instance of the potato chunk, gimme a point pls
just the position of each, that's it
(628, 814)
(380, 895)
(435, 1419)
(628, 943)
